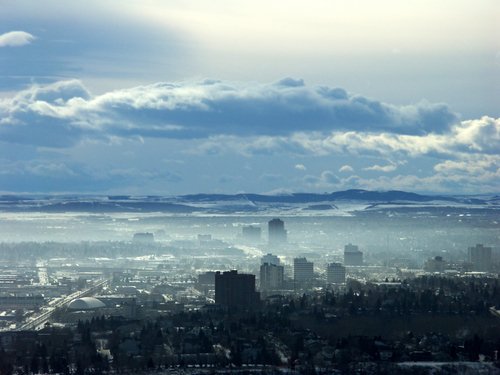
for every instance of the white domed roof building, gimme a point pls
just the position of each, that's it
(85, 303)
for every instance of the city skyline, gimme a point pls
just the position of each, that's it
(251, 97)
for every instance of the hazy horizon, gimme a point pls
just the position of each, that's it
(279, 192)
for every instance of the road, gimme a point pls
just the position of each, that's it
(37, 321)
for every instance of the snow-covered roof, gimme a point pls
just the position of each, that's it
(85, 303)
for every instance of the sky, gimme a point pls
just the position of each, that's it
(185, 96)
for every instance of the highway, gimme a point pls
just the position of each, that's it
(37, 321)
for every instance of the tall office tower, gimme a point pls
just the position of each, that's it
(436, 264)
(271, 277)
(251, 233)
(270, 259)
(335, 273)
(352, 255)
(302, 270)
(277, 231)
(236, 290)
(480, 257)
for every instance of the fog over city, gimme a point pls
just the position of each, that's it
(249, 187)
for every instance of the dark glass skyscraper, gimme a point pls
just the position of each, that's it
(277, 231)
(236, 290)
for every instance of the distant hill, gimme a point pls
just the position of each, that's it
(238, 203)
(353, 194)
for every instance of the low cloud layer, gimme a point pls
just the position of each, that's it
(471, 137)
(63, 113)
(176, 137)
(464, 159)
(16, 39)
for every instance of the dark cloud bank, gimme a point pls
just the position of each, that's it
(63, 113)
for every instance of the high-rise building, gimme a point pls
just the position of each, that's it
(276, 230)
(251, 233)
(271, 277)
(480, 257)
(335, 273)
(270, 259)
(236, 290)
(303, 270)
(352, 255)
(436, 264)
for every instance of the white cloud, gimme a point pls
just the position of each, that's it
(447, 162)
(481, 135)
(471, 136)
(329, 177)
(438, 183)
(471, 165)
(16, 39)
(211, 120)
(66, 112)
(346, 168)
(468, 137)
(382, 168)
